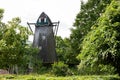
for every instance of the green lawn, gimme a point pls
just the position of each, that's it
(48, 77)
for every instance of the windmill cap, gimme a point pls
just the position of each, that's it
(43, 19)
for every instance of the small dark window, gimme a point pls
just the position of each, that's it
(42, 20)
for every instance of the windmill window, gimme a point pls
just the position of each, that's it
(45, 20)
(43, 37)
(42, 20)
(39, 19)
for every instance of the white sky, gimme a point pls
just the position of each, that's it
(64, 11)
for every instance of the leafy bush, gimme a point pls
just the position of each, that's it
(60, 69)
(89, 69)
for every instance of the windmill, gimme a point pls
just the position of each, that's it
(44, 38)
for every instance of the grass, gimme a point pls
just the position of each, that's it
(48, 77)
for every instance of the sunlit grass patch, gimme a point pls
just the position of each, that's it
(48, 77)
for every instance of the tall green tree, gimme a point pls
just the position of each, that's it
(87, 16)
(102, 44)
(13, 39)
(64, 52)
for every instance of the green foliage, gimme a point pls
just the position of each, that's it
(14, 49)
(85, 68)
(60, 69)
(30, 61)
(13, 42)
(64, 51)
(87, 17)
(60, 48)
(101, 45)
(1, 14)
(2, 25)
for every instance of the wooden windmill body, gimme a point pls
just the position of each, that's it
(44, 39)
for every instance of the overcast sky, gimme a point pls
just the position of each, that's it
(64, 11)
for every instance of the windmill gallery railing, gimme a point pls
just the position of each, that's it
(55, 26)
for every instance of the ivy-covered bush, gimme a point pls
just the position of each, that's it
(101, 46)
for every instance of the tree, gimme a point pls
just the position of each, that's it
(64, 52)
(2, 25)
(87, 16)
(13, 39)
(102, 44)
(60, 48)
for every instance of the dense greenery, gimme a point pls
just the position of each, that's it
(87, 17)
(101, 46)
(60, 69)
(64, 51)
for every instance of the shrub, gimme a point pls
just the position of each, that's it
(98, 69)
(60, 69)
